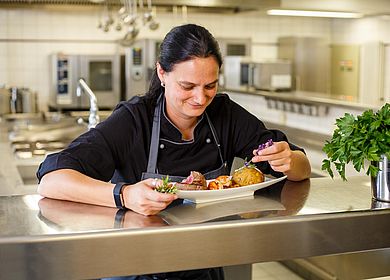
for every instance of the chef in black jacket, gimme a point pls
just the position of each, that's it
(180, 125)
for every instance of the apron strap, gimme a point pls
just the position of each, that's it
(153, 150)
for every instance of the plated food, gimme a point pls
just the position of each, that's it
(244, 176)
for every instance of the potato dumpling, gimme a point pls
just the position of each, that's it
(248, 176)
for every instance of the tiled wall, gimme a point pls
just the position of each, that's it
(28, 37)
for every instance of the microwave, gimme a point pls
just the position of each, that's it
(242, 73)
(272, 75)
(102, 73)
(238, 72)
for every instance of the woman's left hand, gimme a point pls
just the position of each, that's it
(281, 158)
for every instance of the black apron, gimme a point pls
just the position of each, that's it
(152, 172)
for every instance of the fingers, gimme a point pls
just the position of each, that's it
(150, 207)
(152, 182)
(279, 156)
(143, 199)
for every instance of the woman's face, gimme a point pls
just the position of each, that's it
(190, 87)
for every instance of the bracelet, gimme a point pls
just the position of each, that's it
(118, 198)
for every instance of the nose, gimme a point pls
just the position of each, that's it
(200, 96)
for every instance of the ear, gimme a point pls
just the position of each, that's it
(160, 72)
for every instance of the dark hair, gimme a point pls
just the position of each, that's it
(183, 43)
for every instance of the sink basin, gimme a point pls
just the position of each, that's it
(34, 138)
(27, 173)
(64, 131)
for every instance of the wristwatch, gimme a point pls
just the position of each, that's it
(118, 197)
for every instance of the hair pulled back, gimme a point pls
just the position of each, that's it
(183, 43)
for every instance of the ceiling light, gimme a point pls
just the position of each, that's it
(302, 13)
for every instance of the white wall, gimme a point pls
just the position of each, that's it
(28, 37)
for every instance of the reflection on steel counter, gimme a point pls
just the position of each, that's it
(65, 216)
(282, 199)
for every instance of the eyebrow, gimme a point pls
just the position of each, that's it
(189, 83)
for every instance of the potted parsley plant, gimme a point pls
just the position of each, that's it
(363, 141)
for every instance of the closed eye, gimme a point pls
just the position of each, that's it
(211, 86)
(187, 86)
(190, 86)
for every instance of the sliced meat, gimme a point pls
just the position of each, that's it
(189, 187)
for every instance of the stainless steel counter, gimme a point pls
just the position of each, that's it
(51, 239)
(308, 98)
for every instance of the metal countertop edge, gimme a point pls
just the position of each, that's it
(307, 99)
(193, 227)
(134, 252)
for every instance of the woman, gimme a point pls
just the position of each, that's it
(180, 125)
(195, 130)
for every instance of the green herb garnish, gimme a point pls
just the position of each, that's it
(248, 164)
(166, 186)
(356, 139)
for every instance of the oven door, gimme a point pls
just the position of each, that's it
(102, 74)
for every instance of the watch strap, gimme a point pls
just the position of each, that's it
(117, 192)
(119, 218)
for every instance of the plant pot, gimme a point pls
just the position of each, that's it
(381, 183)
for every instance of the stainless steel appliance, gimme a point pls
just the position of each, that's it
(272, 75)
(235, 46)
(5, 98)
(18, 100)
(140, 62)
(238, 72)
(101, 72)
(232, 47)
(241, 73)
(345, 69)
(142, 56)
(310, 59)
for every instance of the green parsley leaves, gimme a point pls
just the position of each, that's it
(358, 139)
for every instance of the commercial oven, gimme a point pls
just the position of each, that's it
(101, 73)
(140, 63)
(142, 56)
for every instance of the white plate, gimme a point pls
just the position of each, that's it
(215, 195)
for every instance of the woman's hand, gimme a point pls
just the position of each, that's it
(142, 198)
(281, 158)
(278, 156)
(136, 220)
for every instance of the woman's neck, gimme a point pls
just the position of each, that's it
(186, 126)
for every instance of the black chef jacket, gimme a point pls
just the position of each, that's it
(118, 148)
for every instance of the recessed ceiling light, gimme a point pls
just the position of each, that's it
(303, 13)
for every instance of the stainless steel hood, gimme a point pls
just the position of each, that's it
(200, 5)
(367, 8)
